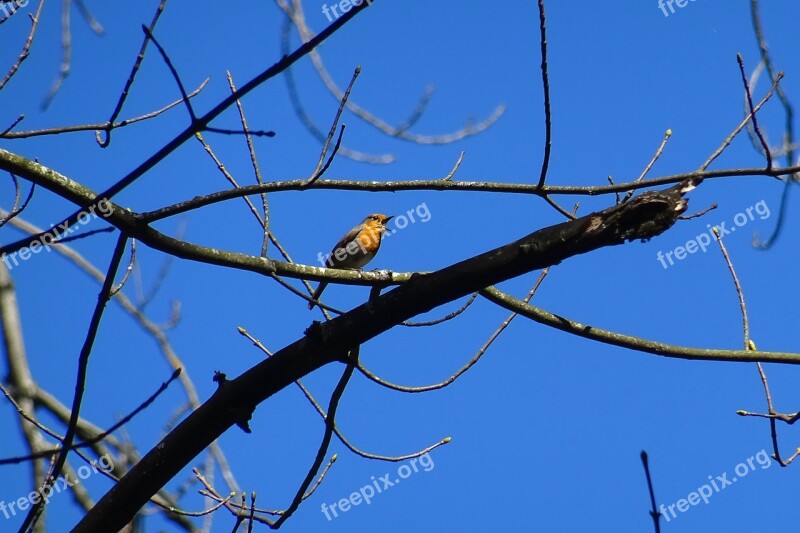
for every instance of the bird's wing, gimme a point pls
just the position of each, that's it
(349, 236)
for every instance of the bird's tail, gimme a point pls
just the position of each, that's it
(317, 294)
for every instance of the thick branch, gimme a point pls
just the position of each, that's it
(643, 217)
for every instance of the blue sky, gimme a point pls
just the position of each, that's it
(547, 428)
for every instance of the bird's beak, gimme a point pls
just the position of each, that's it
(388, 219)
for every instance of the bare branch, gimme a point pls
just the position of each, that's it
(546, 89)
(26, 48)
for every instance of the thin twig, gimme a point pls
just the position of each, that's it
(782, 210)
(775, 77)
(742, 124)
(546, 88)
(558, 208)
(251, 149)
(652, 162)
(445, 318)
(8, 134)
(749, 99)
(66, 55)
(475, 358)
(93, 23)
(323, 447)
(129, 83)
(350, 446)
(656, 516)
(322, 165)
(17, 208)
(131, 263)
(699, 213)
(173, 71)
(738, 286)
(23, 55)
(453, 171)
(80, 382)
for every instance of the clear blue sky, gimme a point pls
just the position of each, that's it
(547, 428)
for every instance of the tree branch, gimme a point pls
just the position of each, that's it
(645, 216)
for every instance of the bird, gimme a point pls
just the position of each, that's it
(355, 249)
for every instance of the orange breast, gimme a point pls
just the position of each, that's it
(370, 240)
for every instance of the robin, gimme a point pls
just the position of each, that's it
(355, 249)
